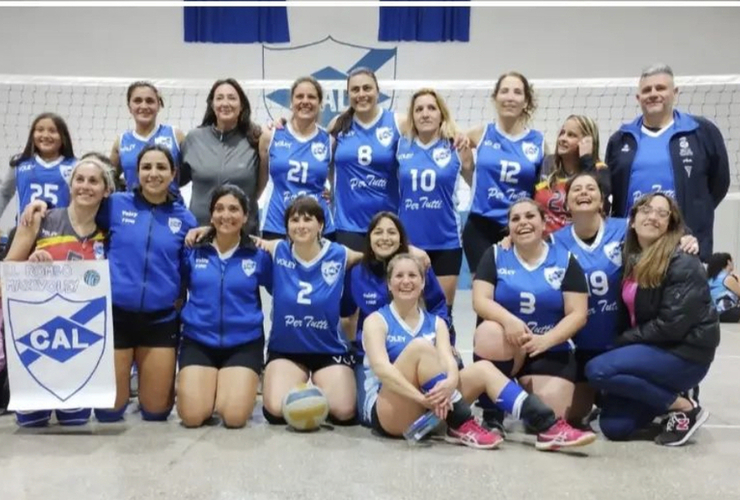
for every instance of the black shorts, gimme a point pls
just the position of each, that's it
(269, 235)
(730, 315)
(583, 356)
(561, 364)
(313, 362)
(354, 241)
(376, 426)
(145, 329)
(446, 262)
(479, 234)
(250, 355)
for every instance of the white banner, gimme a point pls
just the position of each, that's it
(58, 334)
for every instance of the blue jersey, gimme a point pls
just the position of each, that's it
(400, 334)
(428, 177)
(365, 172)
(130, 145)
(602, 263)
(533, 294)
(652, 168)
(37, 179)
(506, 170)
(306, 301)
(367, 292)
(298, 166)
(723, 298)
(223, 308)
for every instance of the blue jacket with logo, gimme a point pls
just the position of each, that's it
(701, 171)
(145, 247)
(223, 308)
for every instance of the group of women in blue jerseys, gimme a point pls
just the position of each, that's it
(571, 314)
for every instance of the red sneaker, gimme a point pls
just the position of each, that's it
(562, 435)
(473, 435)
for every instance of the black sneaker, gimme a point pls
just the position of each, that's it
(680, 426)
(493, 420)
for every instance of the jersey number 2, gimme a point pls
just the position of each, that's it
(304, 292)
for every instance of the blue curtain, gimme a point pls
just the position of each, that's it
(424, 24)
(236, 24)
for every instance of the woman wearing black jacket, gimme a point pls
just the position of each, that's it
(671, 336)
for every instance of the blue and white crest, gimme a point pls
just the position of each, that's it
(554, 276)
(66, 171)
(61, 343)
(249, 266)
(330, 271)
(442, 156)
(613, 252)
(384, 135)
(163, 140)
(318, 150)
(281, 63)
(174, 224)
(530, 150)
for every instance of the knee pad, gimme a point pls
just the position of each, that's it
(39, 418)
(108, 416)
(77, 416)
(150, 416)
(272, 419)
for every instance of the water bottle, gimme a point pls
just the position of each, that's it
(421, 427)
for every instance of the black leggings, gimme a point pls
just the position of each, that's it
(479, 234)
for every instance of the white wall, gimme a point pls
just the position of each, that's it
(545, 42)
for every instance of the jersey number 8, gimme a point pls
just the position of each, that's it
(364, 155)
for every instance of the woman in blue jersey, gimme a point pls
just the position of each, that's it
(532, 299)
(366, 290)
(508, 164)
(724, 285)
(297, 157)
(307, 341)
(670, 331)
(144, 103)
(365, 167)
(68, 233)
(42, 170)
(146, 233)
(412, 370)
(429, 171)
(222, 352)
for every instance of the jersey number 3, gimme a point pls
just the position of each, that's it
(526, 302)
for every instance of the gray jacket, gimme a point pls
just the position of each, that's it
(211, 159)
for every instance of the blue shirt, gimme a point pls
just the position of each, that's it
(723, 297)
(506, 170)
(400, 334)
(428, 176)
(652, 169)
(298, 166)
(130, 145)
(306, 300)
(365, 172)
(36, 179)
(602, 263)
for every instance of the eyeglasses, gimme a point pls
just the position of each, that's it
(660, 212)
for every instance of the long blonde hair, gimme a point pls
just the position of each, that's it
(588, 128)
(447, 128)
(648, 266)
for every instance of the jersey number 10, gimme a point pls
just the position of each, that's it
(427, 180)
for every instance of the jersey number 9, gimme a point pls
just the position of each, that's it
(598, 283)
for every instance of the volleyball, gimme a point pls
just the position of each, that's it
(305, 408)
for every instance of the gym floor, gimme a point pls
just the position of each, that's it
(134, 460)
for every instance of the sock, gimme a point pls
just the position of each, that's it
(460, 412)
(511, 399)
(537, 414)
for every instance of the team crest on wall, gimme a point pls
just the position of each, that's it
(326, 60)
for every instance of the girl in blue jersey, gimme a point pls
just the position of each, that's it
(365, 167)
(724, 286)
(429, 171)
(297, 157)
(366, 290)
(146, 233)
(144, 103)
(533, 299)
(306, 341)
(42, 170)
(221, 355)
(411, 370)
(69, 233)
(508, 164)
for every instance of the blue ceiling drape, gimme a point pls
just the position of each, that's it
(236, 24)
(424, 24)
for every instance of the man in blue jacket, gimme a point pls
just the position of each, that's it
(670, 151)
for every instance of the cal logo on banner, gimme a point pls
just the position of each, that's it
(59, 334)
